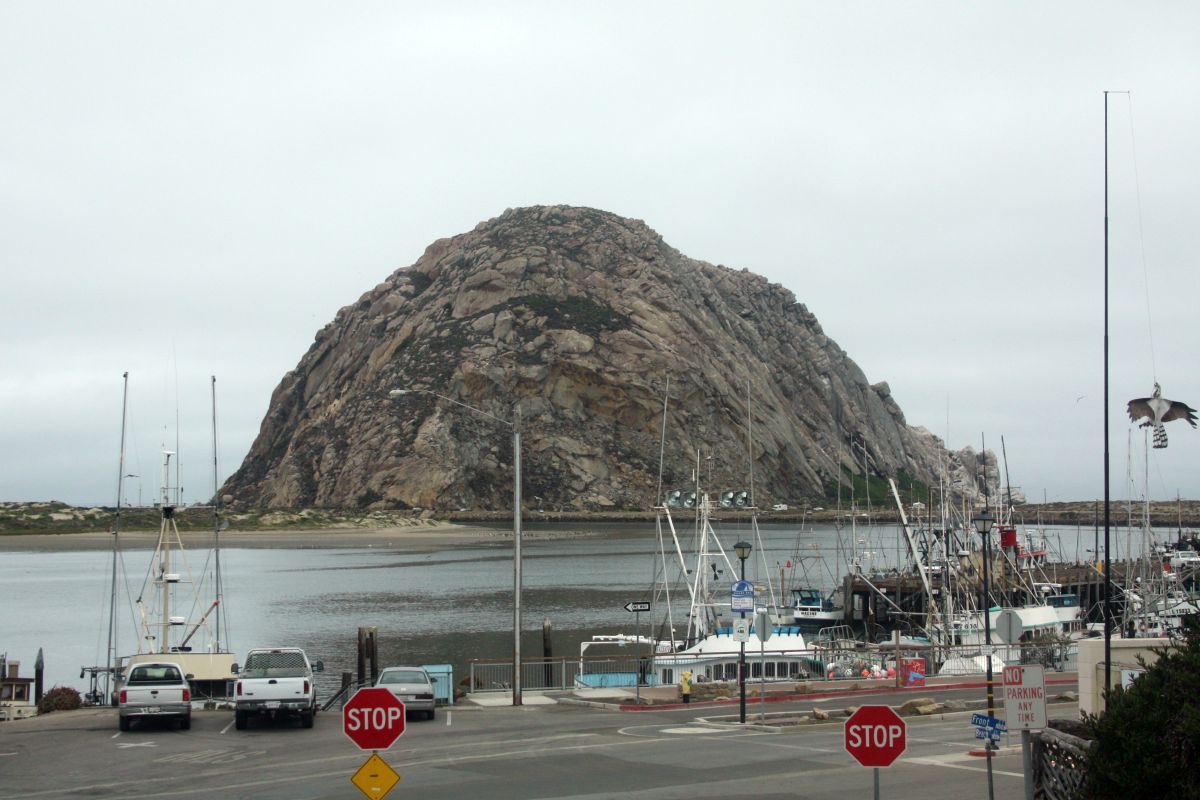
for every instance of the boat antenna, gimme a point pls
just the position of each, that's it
(216, 519)
(110, 653)
(1007, 480)
(662, 443)
(750, 441)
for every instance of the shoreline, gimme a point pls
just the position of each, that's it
(415, 537)
(407, 537)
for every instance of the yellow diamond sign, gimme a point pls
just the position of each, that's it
(375, 778)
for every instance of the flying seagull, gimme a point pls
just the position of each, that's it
(1157, 410)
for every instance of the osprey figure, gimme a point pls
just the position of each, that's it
(1156, 410)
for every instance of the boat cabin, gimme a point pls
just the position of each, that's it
(16, 693)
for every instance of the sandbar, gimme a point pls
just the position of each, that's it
(411, 537)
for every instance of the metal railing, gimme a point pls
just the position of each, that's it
(815, 664)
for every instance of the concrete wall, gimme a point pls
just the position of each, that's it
(1125, 654)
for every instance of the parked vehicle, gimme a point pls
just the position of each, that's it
(155, 689)
(275, 682)
(413, 686)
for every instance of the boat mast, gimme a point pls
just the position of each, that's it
(216, 519)
(164, 546)
(110, 658)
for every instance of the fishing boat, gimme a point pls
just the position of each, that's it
(178, 607)
(812, 611)
(717, 638)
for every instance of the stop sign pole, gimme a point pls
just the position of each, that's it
(875, 736)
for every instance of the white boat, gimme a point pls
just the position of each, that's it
(717, 636)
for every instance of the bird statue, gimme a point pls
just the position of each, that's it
(1156, 410)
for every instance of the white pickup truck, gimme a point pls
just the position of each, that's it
(275, 682)
(155, 689)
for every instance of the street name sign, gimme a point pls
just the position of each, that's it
(1025, 696)
(875, 736)
(637, 606)
(984, 721)
(373, 718)
(742, 597)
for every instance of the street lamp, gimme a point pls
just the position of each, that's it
(983, 524)
(742, 549)
(516, 429)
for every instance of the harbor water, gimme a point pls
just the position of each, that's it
(433, 606)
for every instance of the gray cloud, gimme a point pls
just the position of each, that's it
(196, 190)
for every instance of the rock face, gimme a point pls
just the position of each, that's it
(575, 324)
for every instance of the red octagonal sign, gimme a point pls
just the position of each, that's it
(875, 736)
(373, 718)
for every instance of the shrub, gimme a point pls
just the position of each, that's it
(60, 698)
(1148, 741)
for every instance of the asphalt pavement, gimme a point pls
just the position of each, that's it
(543, 749)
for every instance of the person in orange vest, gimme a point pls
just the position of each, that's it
(685, 686)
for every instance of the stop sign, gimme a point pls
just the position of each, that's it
(875, 736)
(373, 718)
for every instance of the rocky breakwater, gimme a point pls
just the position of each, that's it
(574, 324)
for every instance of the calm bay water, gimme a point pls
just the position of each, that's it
(446, 606)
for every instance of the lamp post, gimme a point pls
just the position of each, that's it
(983, 524)
(742, 549)
(516, 429)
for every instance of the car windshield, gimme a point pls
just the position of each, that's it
(403, 676)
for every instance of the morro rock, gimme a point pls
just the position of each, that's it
(603, 344)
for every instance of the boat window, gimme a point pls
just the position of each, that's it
(668, 676)
(769, 669)
(756, 670)
(731, 672)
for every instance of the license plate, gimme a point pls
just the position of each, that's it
(152, 710)
(273, 704)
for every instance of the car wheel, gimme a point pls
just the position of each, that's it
(185, 724)
(306, 719)
(430, 714)
(239, 720)
(123, 722)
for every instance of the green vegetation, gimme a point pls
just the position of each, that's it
(574, 313)
(32, 518)
(60, 698)
(1148, 740)
(420, 282)
(911, 489)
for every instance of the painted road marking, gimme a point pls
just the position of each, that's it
(944, 761)
(127, 745)
(230, 725)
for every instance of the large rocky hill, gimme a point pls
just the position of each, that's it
(576, 324)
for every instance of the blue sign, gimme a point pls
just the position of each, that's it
(984, 733)
(982, 721)
(742, 597)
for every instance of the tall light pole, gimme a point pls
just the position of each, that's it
(516, 429)
(983, 524)
(743, 552)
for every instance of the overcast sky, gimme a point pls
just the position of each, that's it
(195, 189)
